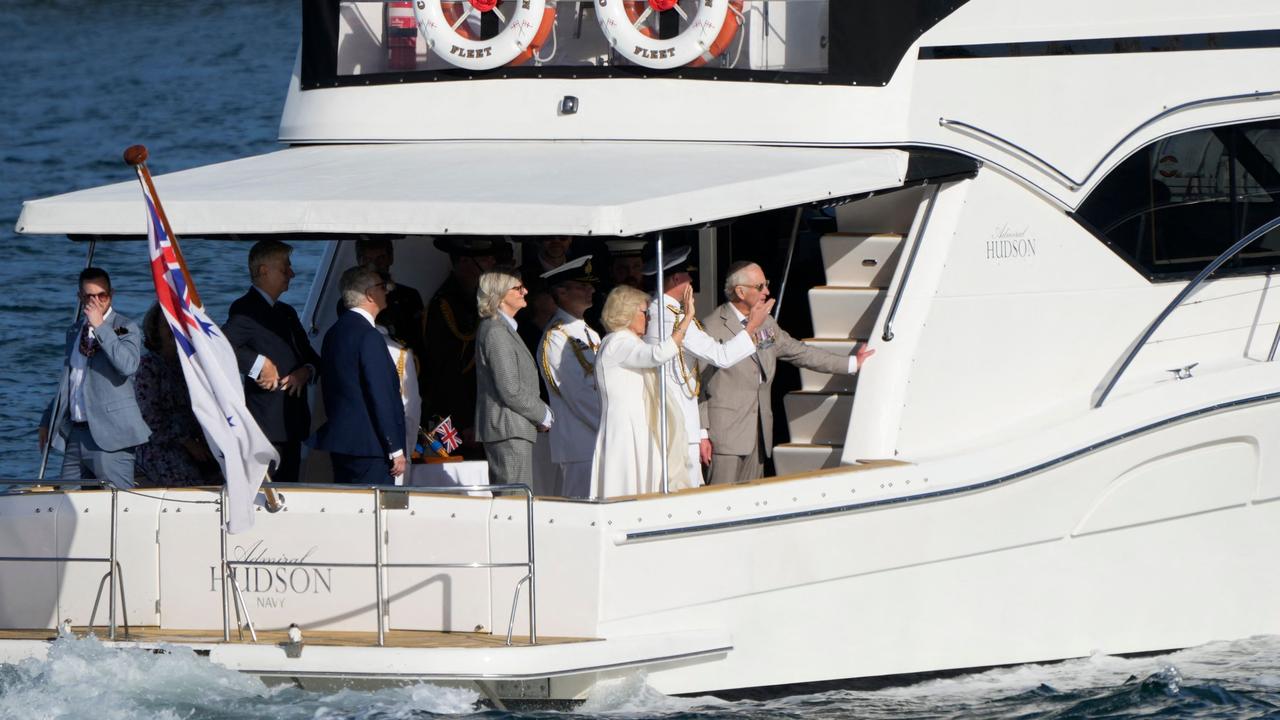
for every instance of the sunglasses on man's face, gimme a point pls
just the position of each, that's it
(86, 297)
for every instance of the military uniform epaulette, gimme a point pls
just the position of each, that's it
(579, 351)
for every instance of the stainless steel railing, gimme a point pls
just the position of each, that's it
(379, 564)
(1072, 183)
(113, 573)
(1191, 287)
(887, 335)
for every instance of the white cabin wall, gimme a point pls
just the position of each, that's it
(1005, 342)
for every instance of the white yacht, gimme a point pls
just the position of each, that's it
(1056, 224)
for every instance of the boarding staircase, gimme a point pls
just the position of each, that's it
(859, 260)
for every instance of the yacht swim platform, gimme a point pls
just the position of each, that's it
(419, 639)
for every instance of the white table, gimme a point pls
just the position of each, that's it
(451, 474)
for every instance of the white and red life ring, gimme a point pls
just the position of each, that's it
(448, 36)
(708, 33)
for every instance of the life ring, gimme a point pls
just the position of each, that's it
(707, 35)
(528, 27)
(732, 23)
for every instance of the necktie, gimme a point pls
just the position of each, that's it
(88, 345)
(756, 355)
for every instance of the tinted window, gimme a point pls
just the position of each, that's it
(1178, 203)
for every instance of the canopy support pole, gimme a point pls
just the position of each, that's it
(662, 371)
(786, 272)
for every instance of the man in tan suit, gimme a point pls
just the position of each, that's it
(735, 400)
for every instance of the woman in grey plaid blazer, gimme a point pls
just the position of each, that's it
(508, 408)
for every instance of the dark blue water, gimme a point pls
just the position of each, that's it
(196, 82)
(200, 82)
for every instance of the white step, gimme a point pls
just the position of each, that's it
(818, 418)
(859, 260)
(889, 213)
(814, 381)
(844, 312)
(793, 458)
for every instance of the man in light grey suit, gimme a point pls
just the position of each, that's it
(98, 423)
(736, 400)
(509, 410)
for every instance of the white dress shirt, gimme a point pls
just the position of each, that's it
(79, 366)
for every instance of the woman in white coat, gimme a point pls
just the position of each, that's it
(628, 457)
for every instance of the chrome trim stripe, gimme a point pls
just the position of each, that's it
(1228, 40)
(632, 537)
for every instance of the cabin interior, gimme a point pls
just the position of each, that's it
(829, 268)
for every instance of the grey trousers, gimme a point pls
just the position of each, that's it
(729, 469)
(84, 460)
(510, 462)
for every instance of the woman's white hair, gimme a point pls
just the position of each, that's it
(621, 306)
(739, 274)
(493, 286)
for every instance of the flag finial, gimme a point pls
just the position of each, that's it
(135, 154)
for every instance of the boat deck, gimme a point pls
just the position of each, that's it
(335, 638)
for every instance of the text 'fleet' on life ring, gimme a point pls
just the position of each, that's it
(443, 24)
(707, 33)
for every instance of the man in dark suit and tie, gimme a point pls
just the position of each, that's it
(274, 355)
(97, 422)
(736, 400)
(364, 433)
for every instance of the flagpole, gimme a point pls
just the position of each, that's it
(136, 157)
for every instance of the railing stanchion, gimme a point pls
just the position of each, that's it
(533, 579)
(377, 564)
(111, 602)
(228, 574)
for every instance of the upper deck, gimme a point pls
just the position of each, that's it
(811, 72)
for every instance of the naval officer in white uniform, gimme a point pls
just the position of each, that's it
(567, 359)
(683, 374)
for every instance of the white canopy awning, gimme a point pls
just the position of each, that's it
(490, 188)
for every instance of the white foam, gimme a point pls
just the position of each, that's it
(82, 678)
(631, 695)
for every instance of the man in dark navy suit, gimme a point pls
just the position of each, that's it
(364, 433)
(274, 355)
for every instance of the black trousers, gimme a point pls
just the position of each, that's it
(361, 470)
(290, 461)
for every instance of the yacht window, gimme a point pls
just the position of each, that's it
(1175, 205)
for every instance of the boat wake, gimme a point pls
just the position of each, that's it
(81, 678)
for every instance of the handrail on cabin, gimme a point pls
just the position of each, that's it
(887, 335)
(1191, 287)
(1074, 184)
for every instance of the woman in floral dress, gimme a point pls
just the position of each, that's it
(176, 454)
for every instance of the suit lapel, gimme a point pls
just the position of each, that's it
(519, 341)
(735, 326)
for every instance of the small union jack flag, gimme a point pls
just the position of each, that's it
(447, 435)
